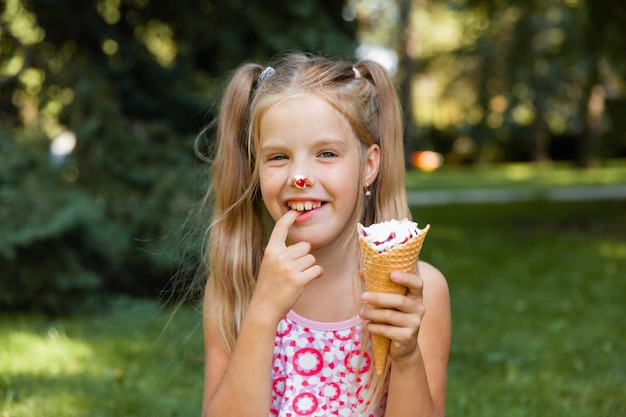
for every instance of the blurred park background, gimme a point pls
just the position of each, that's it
(101, 104)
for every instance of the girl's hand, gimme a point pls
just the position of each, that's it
(397, 317)
(285, 271)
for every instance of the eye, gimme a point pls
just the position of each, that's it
(328, 154)
(278, 157)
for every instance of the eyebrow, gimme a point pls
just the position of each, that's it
(332, 142)
(339, 143)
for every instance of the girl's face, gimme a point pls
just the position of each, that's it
(305, 136)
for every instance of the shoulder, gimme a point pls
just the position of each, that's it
(434, 280)
(435, 291)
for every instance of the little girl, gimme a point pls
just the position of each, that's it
(306, 149)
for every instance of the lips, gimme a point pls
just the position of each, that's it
(304, 205)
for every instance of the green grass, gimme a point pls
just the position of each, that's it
(538, 306)
(516, 176)
(538, 326)
(131, 360)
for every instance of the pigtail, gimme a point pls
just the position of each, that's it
(236, 234)
(232, 130)
(388, 190)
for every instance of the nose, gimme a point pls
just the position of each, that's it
(300, 181)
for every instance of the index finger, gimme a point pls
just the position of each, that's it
(411, 280)
(281, 228)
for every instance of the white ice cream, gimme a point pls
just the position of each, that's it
(387, 235)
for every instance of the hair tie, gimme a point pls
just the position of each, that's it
(357, 73)
(268, 72)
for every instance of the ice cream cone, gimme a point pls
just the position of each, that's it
(378, 267)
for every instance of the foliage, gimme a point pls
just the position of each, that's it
(42, 246)
(538, 68)
(537, 302)
(134, 82)
(492, 81)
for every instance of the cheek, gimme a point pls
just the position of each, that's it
(267, 180)
(270, 183)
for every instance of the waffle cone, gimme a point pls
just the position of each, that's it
(378, 267)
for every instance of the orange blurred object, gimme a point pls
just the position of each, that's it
(427, 160)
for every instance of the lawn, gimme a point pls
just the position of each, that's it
(517, 175)
(538, 307)
(134, 359)
(538, 326)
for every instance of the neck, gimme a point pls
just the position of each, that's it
(335, 296)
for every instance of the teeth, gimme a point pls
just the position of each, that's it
(304, 205)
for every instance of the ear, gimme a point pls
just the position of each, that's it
(372, 164)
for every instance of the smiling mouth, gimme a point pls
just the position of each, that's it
(304, 205)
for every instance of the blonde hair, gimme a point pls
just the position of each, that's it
(368, 101)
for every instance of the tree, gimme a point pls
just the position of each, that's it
(133, 81)
(499, 80)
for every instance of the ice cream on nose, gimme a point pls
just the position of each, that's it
(300, 181)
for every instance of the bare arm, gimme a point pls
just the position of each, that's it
(245, 373)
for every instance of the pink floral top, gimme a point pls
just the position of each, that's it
(315, 364)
